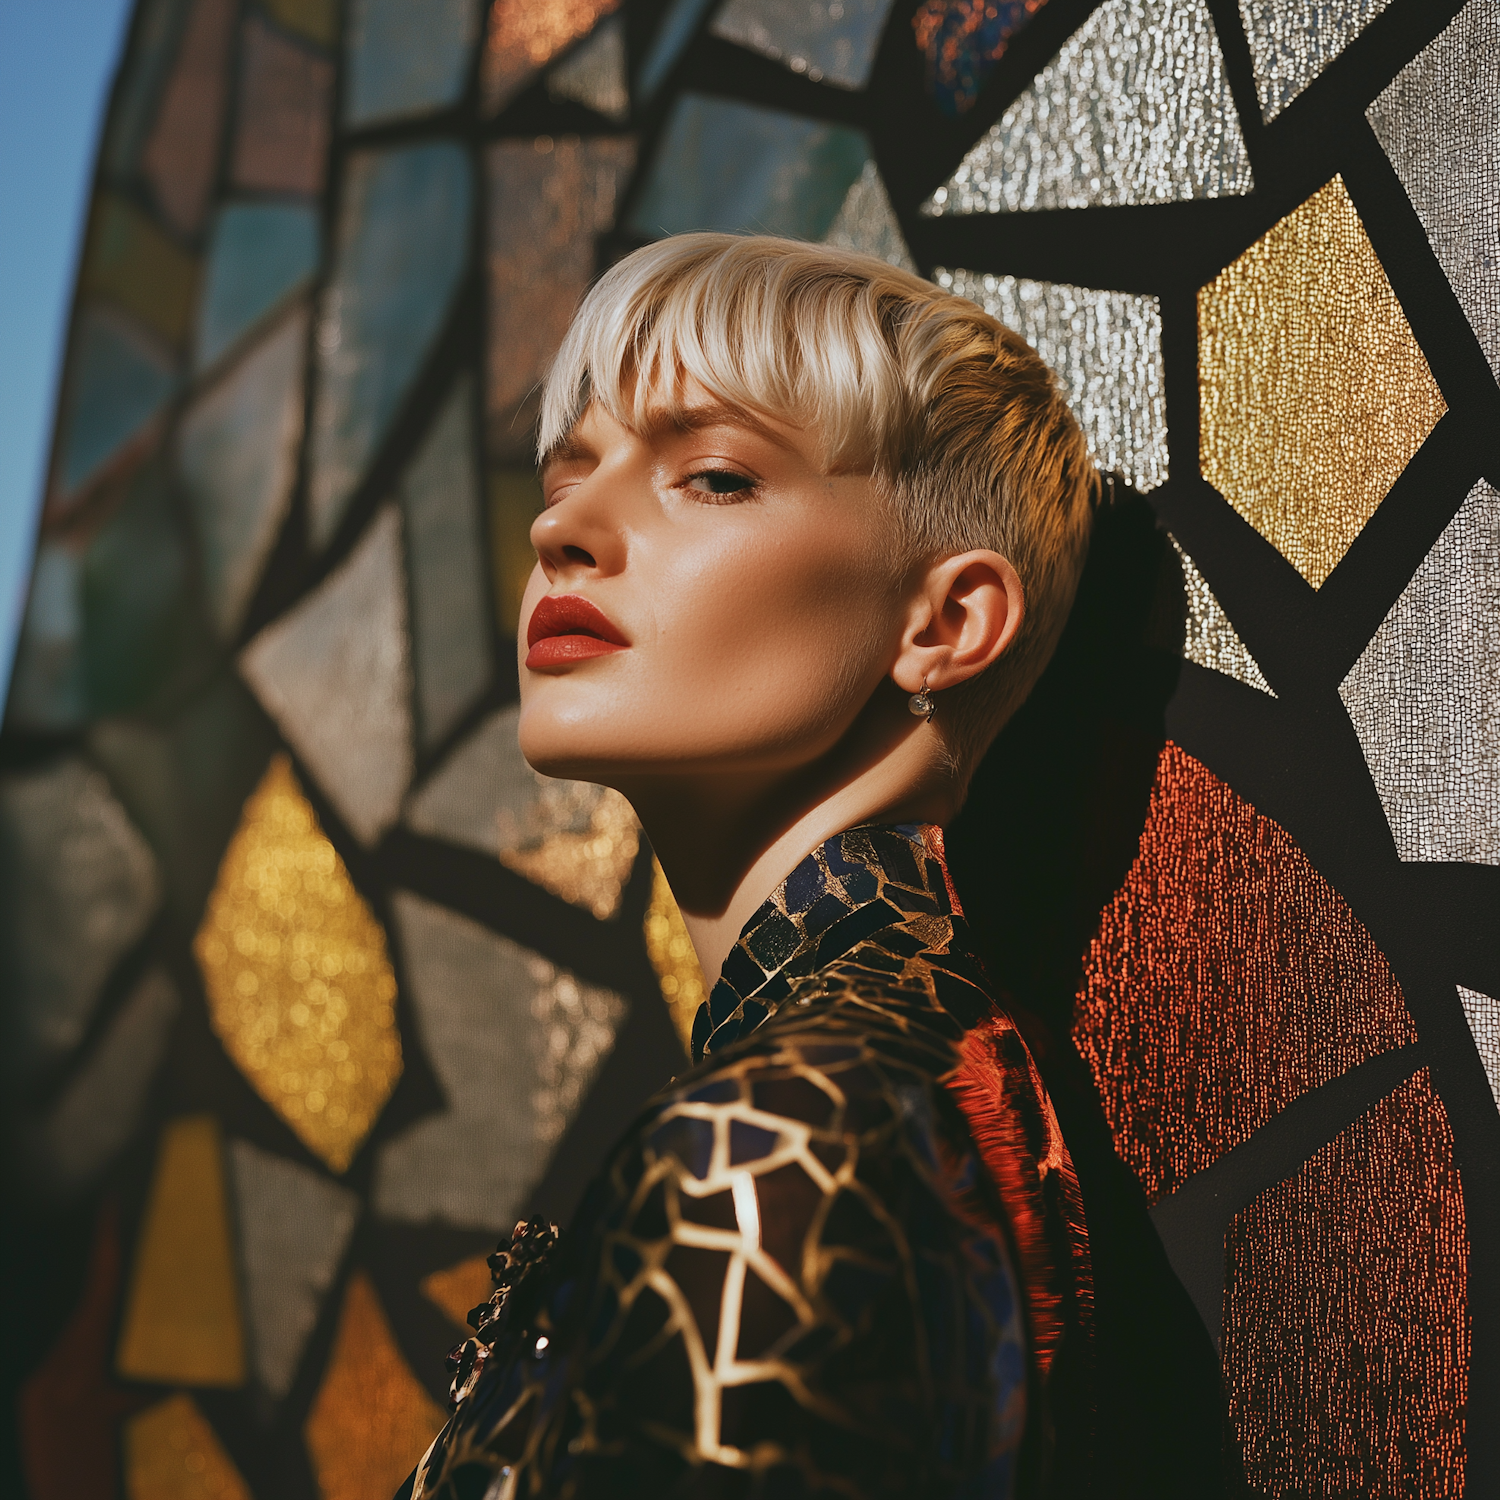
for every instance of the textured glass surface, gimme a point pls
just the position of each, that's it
(403, 236)
(129, 262)
(80, 888)
(1134, 109)
(866, 222)
(962, 41)
(549, 202)
(299, 984)
(673, 956)
(1227, 977)
(258, 253)
(100, 1108)
(158, 25)
(525, 35)
(831, 41)
(371, 1419)
(405, 59)
(237, 453)
(594, 75)
(1292, 41)
(458, 1288)
(182, 1316)
(1210, 639)
(171, 1453)
(1314, 394)
(1440, 125)
(317, 20)
(1346, 1324)
(515, 1042)
(1106, 350)
(335, 674)
(515, 497)
(450, 613)
(1482, 1012)
(577, 840)
(1424, 696)
(286, 96)
(294, 1226)
(46, 685)
(728, 166)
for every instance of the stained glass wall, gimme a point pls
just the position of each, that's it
(312, 986)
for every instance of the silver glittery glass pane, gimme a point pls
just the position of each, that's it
(867, 222)
(1134, 109)
(1209, 639)
(1106, 350)
(831, 41)
(593, 75)
(1439, 122)
(1483, 1015)
(1425, 695)
(1292, 41)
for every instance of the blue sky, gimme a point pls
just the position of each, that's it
(57, 58)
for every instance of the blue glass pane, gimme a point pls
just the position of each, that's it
(674, 33)
(831, 41)
(737, 167)
(963, 40)
(405, 58)
(258, 253)
(403, 240)
(116, 382)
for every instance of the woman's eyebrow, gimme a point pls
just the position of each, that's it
(711, 414)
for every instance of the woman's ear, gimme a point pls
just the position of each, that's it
(965, 612)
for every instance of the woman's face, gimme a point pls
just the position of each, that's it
(748, 605)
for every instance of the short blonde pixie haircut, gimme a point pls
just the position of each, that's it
(957, 420)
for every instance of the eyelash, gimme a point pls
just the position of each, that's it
(745, 486)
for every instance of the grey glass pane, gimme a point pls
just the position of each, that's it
(831, 41)
(47, 683)
(1210, 639)
(258, 253)
(673, 33)
(1482, 1012)
(294, 1225)
(406, 58)
(866, 222)
(594, 74)
(1292, 41)
(449, 608)
(78, 885)
(334, 673)
(402, 244)
(515, 1043)
(728, 166)
(237, 452)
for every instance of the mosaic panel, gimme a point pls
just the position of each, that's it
(1424, 696)
(866, 222)
(1346, 1329)
(403, 234)
(525, 35)
(1482, 1012)
(830, 41)
(594, 74)
(1210, 639)
(406, 59)
(143, 74)
(131, 263)
(182, 1314)
(1292, 41)
(294, 1227)
(334, 673)
(675, 30)
(672, 955)
(1226, 978)
(1445, 146)
(237, 450)
(458, 1288)
(371, 1420)
(171, 1453)
(1314, 393)
(258, 253)
(962, 40)
(1134, 109)
(286, 97)
(515, 1043)
(1105, 348)
(80, 885)
(300, 988)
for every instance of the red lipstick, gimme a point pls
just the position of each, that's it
(565, 628)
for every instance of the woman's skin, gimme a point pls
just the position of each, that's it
(766, 635)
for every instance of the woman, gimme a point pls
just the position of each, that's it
(812, 529)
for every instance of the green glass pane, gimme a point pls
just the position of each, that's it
(258, 253)
(734, 167)
(46, 687)
(406, 58)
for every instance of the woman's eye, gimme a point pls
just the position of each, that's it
(720, 482)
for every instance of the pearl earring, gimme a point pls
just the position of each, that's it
(922, 704)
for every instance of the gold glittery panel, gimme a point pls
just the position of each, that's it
(182, 1319)
(579, 841)
(371, 1419)
(673, 956)
(459, 1288)
(171, 1453)
(1346, 1326)
(1292, 41)
(526, 34)
(1482, 1012)
(1209, 639)
(1314, 392)
(300, 987)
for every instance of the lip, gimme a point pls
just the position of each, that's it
(565, 628)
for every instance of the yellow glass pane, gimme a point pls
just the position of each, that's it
(459, 1288)
(515, 502)
(300, 986)
(132, 263)
(182, 1319)
(318, 20)
(171, 1453)
(673, 957)
(371, 1420)
(1315, 394)
(587, 867)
